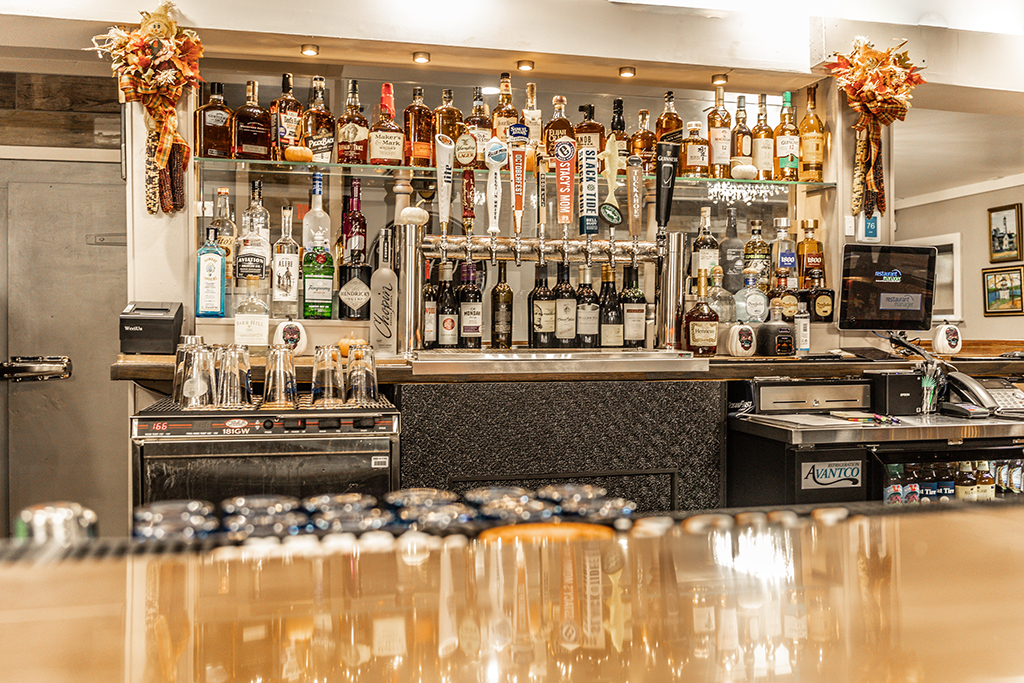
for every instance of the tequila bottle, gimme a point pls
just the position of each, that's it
(809, 253)
(784, 250)
(757, 255)
(720, 299)
(210, 277)
(751, 301)
(775, 336)
(820, 299)
(784, 294)
(318, 280)
(252, 319)
(286, 270)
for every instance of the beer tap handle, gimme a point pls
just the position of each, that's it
(468, 206)
(518, 136)
(540, 173)
(665, 174)
(496, 158)
(588, 199)
(565, 177)
(635, 197)
(445, 152)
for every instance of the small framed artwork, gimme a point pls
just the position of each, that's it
(1002, 287)
(1004, 233)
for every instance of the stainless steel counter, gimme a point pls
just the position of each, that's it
(823, 429)
(553, 362)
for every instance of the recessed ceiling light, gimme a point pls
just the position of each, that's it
(310, 50)
(421, 57)
(489, 90)
(627, 71)
(719, 79)
(524, 65)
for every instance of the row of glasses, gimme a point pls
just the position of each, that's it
(207, 377)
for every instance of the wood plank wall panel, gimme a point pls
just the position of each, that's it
(47, 110)
(8, 88)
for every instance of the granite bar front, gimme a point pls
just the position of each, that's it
(660, 444)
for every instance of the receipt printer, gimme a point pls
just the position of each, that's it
(895, 392)
(151, 327)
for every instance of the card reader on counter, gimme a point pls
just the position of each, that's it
(151, 327)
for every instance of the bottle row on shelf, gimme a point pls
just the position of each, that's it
(287, 131)
(969, 480)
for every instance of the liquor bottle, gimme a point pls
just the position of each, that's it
(634, 310)
(589, 133)
(353, 130)
(669, 127)
(787, 142)
(588, 312)
(354, 272)
(786, 296)
(316, 221)
(285, 292)
(812, 142)
(693, 157)
(252, 319)
(819, 299)
(617, 127)
(387, 139)
(611, 311)
(226, 236)
(355, 226)
(541, 304)
(478, 123)
(384, 299)
(501, 310)
(704, 254)
(565, 310)
(471, 309)
(253, 256)
(757, 254)
(802, 329)
(447, 311)
(213, 126)
(285, 120)
(719, 122)
(250, 127)
(986, 484)
(531, 118)
(763, 142)
(966, 484)
(720, 299)
(318, 125)
(700, 324)
(210, 290)
(448, 117)
(741, 140)
(318, 280)
(775, 336)
(429, 311)
(809, 253)
(751, 301)
(784, 250)
(504, 115)
(730, 254)
(558, 127)
(643, 142)
(419, 131)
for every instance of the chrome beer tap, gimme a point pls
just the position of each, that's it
(668, 161)
(496, 158)
(565, 175)
(445, 151)
(518, 136)
(635, 197)
(540, 170)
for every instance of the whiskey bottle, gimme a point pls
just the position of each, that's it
(588, 312)
(643, 143)
(531, 118)
(504, 115)
(751, 302)
(812, 142)
(318, 281)
(478, 123)
(763, 139)
(589, 133)
(285, 120)
(694, 153)
(669, 127)
(285, 289)
(252, 319)
(782, 293)
(730, 254)
(501, 310)
(787, 142)
(353, 130)
(700, 324)
(213, 126)
(775, 336)
(720, 299)
(617, 127)
(384, 299)
(757, 255)
(448, 117)
(558, 127)
(429, 311)
(611, 311)
(447, 311)
(250, 127)
(704, 254)
(541, 304)
(820, 300)
(318, 125)
(809, 253)
(741, 141)
(210, 290)
(565, 310)
(226, 235)
(387, 139)
(784, 250)
(419, 131)
(719, 123)
(634, 310)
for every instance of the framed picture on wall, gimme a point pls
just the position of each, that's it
(1004, 233)
(1002, 288)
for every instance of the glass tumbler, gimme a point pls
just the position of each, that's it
(328, 377)
(198, 386)
(188, 341)
(279, 392)
(362, 375)
(234, 385)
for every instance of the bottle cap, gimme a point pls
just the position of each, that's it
(741, 102)
(417, 91)
(669, 96)
(222, 190)
(693, 125)
(216, 88)
(505, 75)
(811, 224)
(558, 100)
(782, 223)
(802, 307)
(756, 223)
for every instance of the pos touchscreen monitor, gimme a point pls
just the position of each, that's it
(887, 287)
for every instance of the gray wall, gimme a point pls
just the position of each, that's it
(968, 216)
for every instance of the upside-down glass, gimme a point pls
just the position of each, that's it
(234, 385)
(279, 392)
(361, 375)
(328, 377)
(198, 385)
(187, 341)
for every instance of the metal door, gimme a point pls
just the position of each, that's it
(67, 440)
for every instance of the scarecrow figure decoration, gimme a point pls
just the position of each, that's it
(877, 86)
(154, 64)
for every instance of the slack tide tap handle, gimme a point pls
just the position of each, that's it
(445, 151)
(588, 198)
(496, 157)
(565, 177)
(468, 200)
(668, 162)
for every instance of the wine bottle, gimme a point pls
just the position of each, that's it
(429, 312)
(541, 304)
(447, 311)
(611, 311)
(501, 311)
(588, 313)
(565, 310)
(471, 309)
(634, 310)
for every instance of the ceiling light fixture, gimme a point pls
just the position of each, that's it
(524, 65)
(627, 71)
(719, 79)
(421, 57)
(310, 50)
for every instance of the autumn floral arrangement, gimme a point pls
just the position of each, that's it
(877, 85)
(153, 65)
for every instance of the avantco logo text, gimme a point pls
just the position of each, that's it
(831, 475)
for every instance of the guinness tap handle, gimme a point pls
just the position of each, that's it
(668, 161)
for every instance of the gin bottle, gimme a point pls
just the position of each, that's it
(210, 277)
(252, 319)
(384, 301)
(226, 237)
(318, 281)
(286, 270)
(253, 256)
